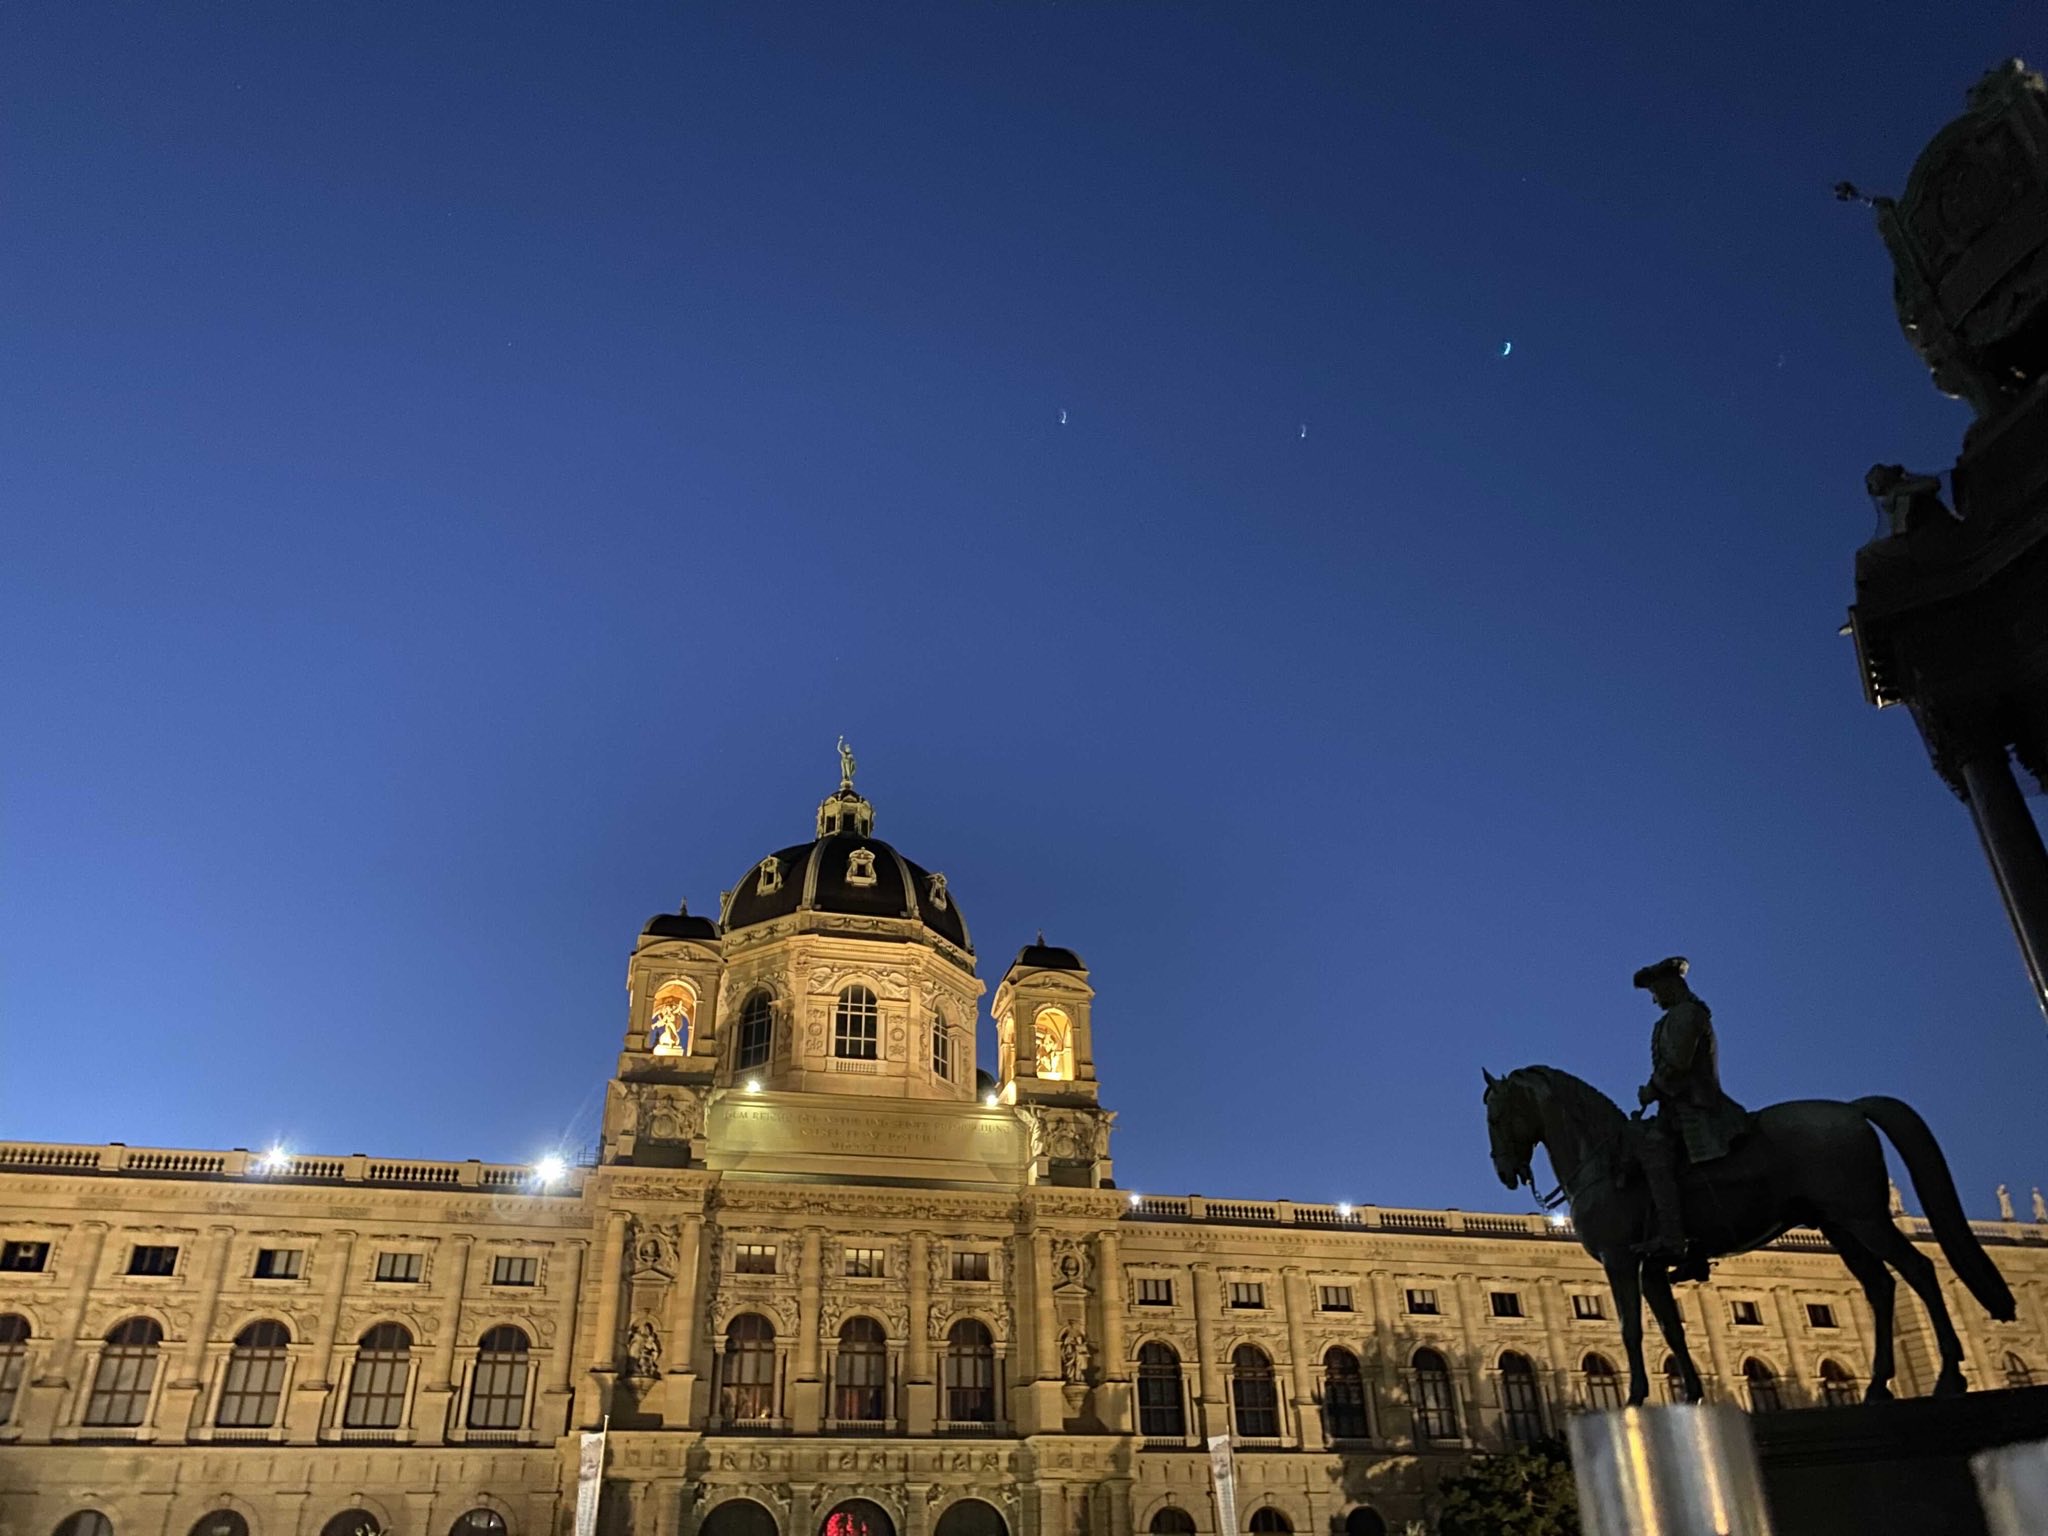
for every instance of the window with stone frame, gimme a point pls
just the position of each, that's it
(1162, 1405)
(1436, 1401)
(1587, 1307)
(970, 1373)
(755, 1038)
(1343, 1395)
(1254, 1394)
(1422, 1302)
(856, 1024)
(1247, 1295)
(746, 1378)
(14, 1336)
(400, 1267)
(1505, 1303)
(753, 1258)
(942, 1049)
(122, 1383)
(1746, 1314)
(1819, 1315)
(279, 1264)
(376, 1387)
(1762, 1381)
(497, 1387)
(519, 1269)
(24, 1257)
(864, 1263)
(252, 1385)
(1155, 1291)
(970, 1264)
(1521, 1399)
(1335, 1298)
(157, 1259)
(860, 1372)
(1603, 1385)
(1837, 1386)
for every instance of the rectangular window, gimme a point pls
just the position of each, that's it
(754, 1259)
(1746, 1314)
(1336, 1298)
(515, 1269)
(1587, 1308)
(280, 1263)
(1155, 1293)
(864, 1264)
(1247, 1294)
(153, 1259)
(970, 1266)
(1819, 1315)
(402, 1267)
(1422, 1303)
(24, 1258)
(1505, 1303)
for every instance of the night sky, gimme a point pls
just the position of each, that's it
(462, 466)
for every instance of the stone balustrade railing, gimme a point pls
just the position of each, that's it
(242, 1166)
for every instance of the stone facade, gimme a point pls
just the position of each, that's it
(818, 1259)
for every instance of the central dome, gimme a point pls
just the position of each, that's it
(845, 869)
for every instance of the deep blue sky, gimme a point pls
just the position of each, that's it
(462, 465)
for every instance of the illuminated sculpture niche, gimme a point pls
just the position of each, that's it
(673, 1018)
(1053, 1045)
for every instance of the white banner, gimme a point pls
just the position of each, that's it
(589, 1482)
(1223, 1478)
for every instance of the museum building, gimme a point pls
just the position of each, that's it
(826, 1276)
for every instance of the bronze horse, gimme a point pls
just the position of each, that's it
(1810, 1162)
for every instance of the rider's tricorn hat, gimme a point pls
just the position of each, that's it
(1675, 967)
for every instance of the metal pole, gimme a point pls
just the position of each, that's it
(1686, 1470)
(2018, 862)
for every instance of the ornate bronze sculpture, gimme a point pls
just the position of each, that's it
(1809, 1162)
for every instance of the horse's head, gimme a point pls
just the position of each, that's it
(1513, 1126)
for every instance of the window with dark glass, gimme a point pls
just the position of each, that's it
(1268, 1521)
(1436, 1404)
(1254, 1396)
(478, 1522)
(1422, 1303)
(220, 1522)
(942, 1049)
(1521, 1399)
(497, 1391)
(1603, 1386)
(1763, 1387)
(1247, 1294)
(747, 1374)
(1674, 1380)
(13, 1361)
(1343, 1396)
(860, 1376)
(1505, 1303)
(754, 1259)
(280, 1263)
(1837, 1386)
(252, 1387)
(1336, 1298)
(1173, 1521)
(856, 1023)
(87, 1522)
(1155, 1292)
(405, 1268)
(127, 1371)
(1365, 1521)
(1587, 1307)
(864, 1263)
(970, 1374)
(970, 1264)
(376, 1387)
(1819, 1315)
(515, 1269)
(1162, 1410)
(756, 1034)
(24, 1257)
(153, 1259)
(1747, 1314)
(352, 1522)
(2017, 1372)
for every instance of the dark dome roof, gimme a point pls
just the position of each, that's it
(1047, 957)
(817, 877)
(679, 925)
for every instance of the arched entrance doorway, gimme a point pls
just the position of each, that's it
(971, 1517)
(738, 1517)
(858, 1517)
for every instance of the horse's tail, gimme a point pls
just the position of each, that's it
(1928, 1170)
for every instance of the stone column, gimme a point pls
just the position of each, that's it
(1209, 1370)
(1709, 1308)
(920, 1393)
(1480, 1409)
(568, 1279)
(807, 1392)
(681, 1331)
(1045, 1337)
(192, 1363)
(1563, 1366)
(1308, 1421)
(593, 1392)
(330, 1306)
(1042, 1403)
(1389, 1372)
(1113, 1392)
(433, 1409)
(1805, 1383)
(84, 1269)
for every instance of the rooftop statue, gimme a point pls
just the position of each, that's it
(1653, 1200)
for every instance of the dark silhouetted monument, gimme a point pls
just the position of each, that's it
(1951, 610)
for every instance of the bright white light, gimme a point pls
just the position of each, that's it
(276, 1160)
(550, 1169)
(753, 1085)
(1343, 1210)
(1559, 1218)
(989, 1099)
(1136, 1197)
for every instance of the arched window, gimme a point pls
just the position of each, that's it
(120, 1387)
(1436, 1405)
(1162, 1410)
(353, 1522)
(1172, 1520)
(1343, 1396)
(1364, 1521)
(376, 1388)
(971, 1517)
(1053, 1041)
(253, 1385)
(856, 1022)
(478, 1522)
(747, 1380)
(757, 1031)
(858, 1517)
(1674, 1380)
(1268, 1521)
(970, 1374)
(1254, 1399)
(1603, 1386)
(497, 1392)
(673, 1017)
(87, 1522)
(738, 1517)
(13, 1361)
(2016, 1372)
(1837, 1386)
(942, 1049)
(1521, 1399)
(1763, 1387)
(860, 1378)
(220, 1522)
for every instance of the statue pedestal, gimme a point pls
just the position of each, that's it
(1889, 1469)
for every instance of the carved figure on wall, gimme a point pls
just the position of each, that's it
(643, 1349)
(654, 1248)
(1074, 1354)
(1070, 1264)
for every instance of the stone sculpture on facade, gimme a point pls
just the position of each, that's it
(2004, 1203)
(643, 1348)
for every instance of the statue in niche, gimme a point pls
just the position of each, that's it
(1050, 1034)
(643, 1349)
(1074, 1354)
(654, 1248)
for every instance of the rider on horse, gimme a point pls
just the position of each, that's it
(1697, 1122)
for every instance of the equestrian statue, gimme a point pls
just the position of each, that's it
(1654, 1199)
